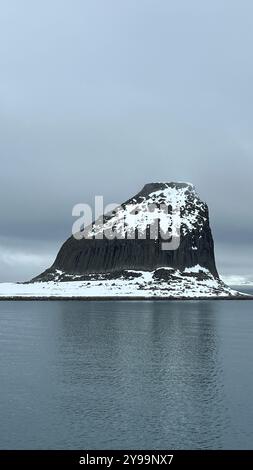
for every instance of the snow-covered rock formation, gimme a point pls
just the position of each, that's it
(139, 224)
(158, 244)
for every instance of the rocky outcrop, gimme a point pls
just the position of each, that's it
(145, 250)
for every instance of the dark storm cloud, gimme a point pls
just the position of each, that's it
(101, 97)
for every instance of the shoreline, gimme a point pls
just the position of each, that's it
(121, 298)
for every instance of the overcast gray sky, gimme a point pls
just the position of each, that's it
(102, 96)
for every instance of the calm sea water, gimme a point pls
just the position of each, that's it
(126, 375)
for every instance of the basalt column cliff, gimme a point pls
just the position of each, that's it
(139, 245)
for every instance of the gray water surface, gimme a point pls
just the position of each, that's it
(171, 375)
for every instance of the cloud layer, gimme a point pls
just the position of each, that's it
(102, 97)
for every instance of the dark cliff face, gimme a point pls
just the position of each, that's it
(100, 255)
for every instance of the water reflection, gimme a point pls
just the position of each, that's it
(144, 372)
(126, 375)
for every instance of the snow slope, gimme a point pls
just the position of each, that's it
(142, 211)
(161, 283)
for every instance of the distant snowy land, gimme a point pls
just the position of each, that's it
(237, 280)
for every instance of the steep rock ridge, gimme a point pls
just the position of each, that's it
(96, 255)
